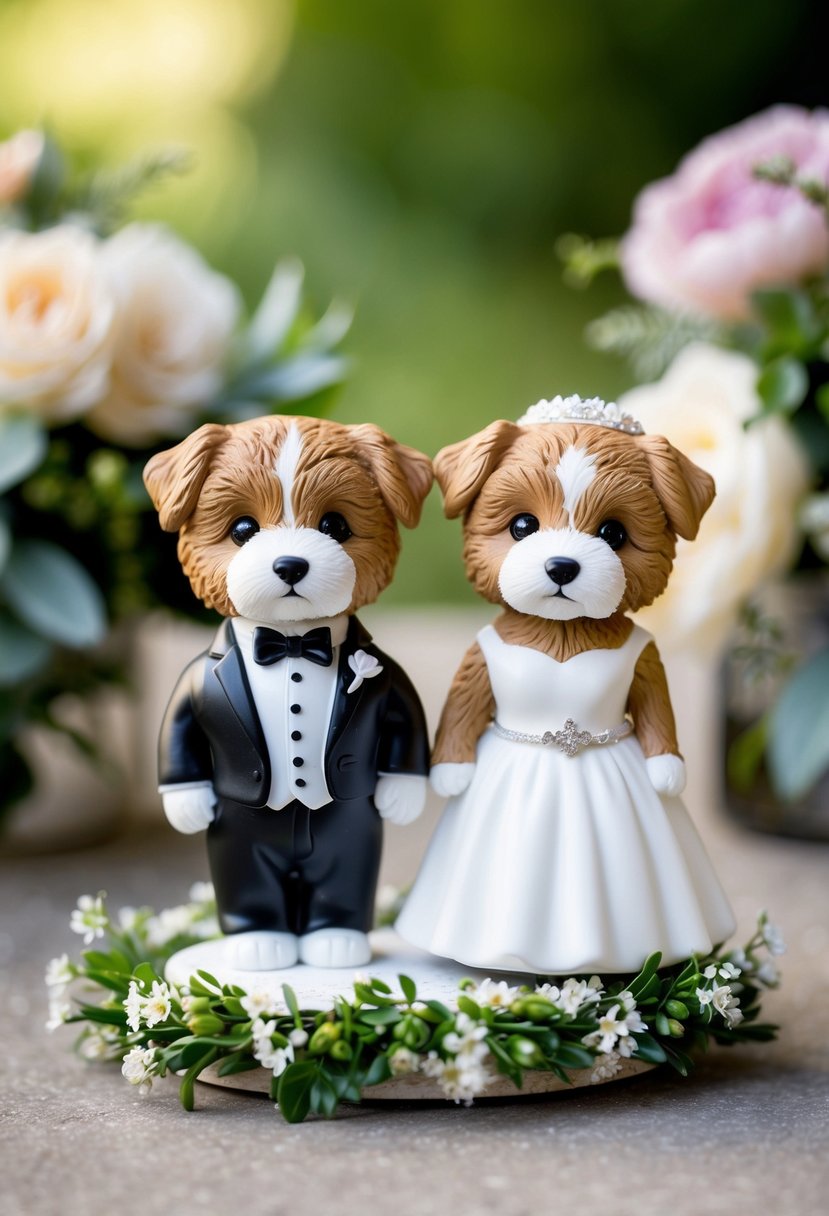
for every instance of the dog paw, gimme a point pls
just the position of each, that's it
(190, 809)
(335, 948)
(450, 779)
(400, 797)
(261, 950)
(667, 774)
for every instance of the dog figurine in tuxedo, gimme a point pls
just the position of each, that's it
(293, 736)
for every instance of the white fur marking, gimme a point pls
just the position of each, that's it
(285, 470)
(575, 471)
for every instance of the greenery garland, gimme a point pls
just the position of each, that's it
(319, 1058)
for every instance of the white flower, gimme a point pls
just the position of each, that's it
(577, 993)
(726, 971)
(606, 1068)
(461, 1079)
(403, 1061)
(174, 323)
(497, 994)
(614, 1031)
(773, 938)
(170, 923)
(768, 974)
(56, 318)
(365, 667)
(59, 973)
(256, 1003)
(127, 919)
(89, 918)
(134, 1006)
(139, 1067)
(298, 1037)
(467, 1038)
(750, 532)
(704, 996)
(98, 1044)
(59, 1010)
(202, 893)
(19, 159)
(157, 1006)
(275, 1058)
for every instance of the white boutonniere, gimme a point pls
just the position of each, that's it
(364, 667)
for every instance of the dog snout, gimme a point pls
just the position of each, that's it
(562, 570)
(291, 569)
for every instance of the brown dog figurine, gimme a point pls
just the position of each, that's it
(294, 735)
(564, 846)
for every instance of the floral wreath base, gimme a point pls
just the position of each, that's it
(144, 999)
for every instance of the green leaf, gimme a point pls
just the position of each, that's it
(22, 653)
(52, 593)
(381, 1017)
(782, 385)
(822, 401)
(238, 1061)
(379, 1071)
(408, 987)
(798, 749)
(277, 311)
(5, 541)
(189, 1079)
(23, 446)
(324, 1098)
(207, 978)
(745, 755)
(291, 1001)
(790, 317)
(569, 1055)
(648, 1048)
(293, 1093)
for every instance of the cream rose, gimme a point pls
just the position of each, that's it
(19, 158)
(175, 321)
(750, 532)
(56, 314)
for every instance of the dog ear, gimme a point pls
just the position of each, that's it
(462, 468)
(403, 475)
(174, 478)
(684, 489)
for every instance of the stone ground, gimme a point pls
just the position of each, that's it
(749, 1132)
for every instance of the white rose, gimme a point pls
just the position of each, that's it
(56, 314)
(175, 321)
(750, 533)
(19, 158)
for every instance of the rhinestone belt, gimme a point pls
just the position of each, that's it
(569, 739)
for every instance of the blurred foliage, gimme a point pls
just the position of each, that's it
(421, 158)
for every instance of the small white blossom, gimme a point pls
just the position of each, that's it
(134, 1006)
(773, 938)
(298, 1037)
(497, 994)
(171, 923)
(403, 1061)
(59, 1010)
(466, 1038)
(139, 1067)
(614, 1031)
(726, 971)
(461, 1079)
(157, 1006)
(127, 918)
(606, 1068)
(202, 893)
(256, 1003)
(276, 1059)
(98, 1044)
(365, 667)
(768, 974)
(59, 973)
(575, 994)
(89, 918)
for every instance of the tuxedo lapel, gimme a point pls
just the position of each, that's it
(345, 702)
(230, 673)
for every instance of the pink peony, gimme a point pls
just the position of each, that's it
(705, 238)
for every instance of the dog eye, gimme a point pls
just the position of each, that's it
(612, 533)
(335, 525)
(243, 529)
(523, 525)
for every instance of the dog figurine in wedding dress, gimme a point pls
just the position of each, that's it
(294, 735)
(564, 846)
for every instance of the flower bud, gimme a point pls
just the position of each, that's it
(524, 1051)
(324, 1038)
(675, 1028)
(676, 1009)
(197, 1005)
(204, 1023)
(536, 1008)
(340, 1050)
(412, 1032)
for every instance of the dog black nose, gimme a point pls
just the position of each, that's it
(291, 569)
(562, 569)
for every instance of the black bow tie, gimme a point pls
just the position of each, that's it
(271, 646)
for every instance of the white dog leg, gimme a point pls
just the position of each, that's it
(261, 950)
(335, 948)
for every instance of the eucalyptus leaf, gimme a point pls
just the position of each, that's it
(292, 379)
(782, 385)
(22, 653)
(277, 311)
(22, 448)
(798, 748)
(52, 593)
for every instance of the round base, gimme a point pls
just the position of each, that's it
(316, 987)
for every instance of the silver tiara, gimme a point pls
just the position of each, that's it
(590, 410)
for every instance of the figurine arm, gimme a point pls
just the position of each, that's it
(403, 756)
(649, 704)
(469, 708)
(185, 767)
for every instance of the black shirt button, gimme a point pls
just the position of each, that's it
(299, 782)
(296, 709)
(298, 762)
(257, 776)
(296, 735)
(296, 677)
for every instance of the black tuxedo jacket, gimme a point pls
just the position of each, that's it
(211, 731)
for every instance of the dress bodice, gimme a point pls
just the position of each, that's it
(535, 693)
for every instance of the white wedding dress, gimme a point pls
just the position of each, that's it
(558, 864)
